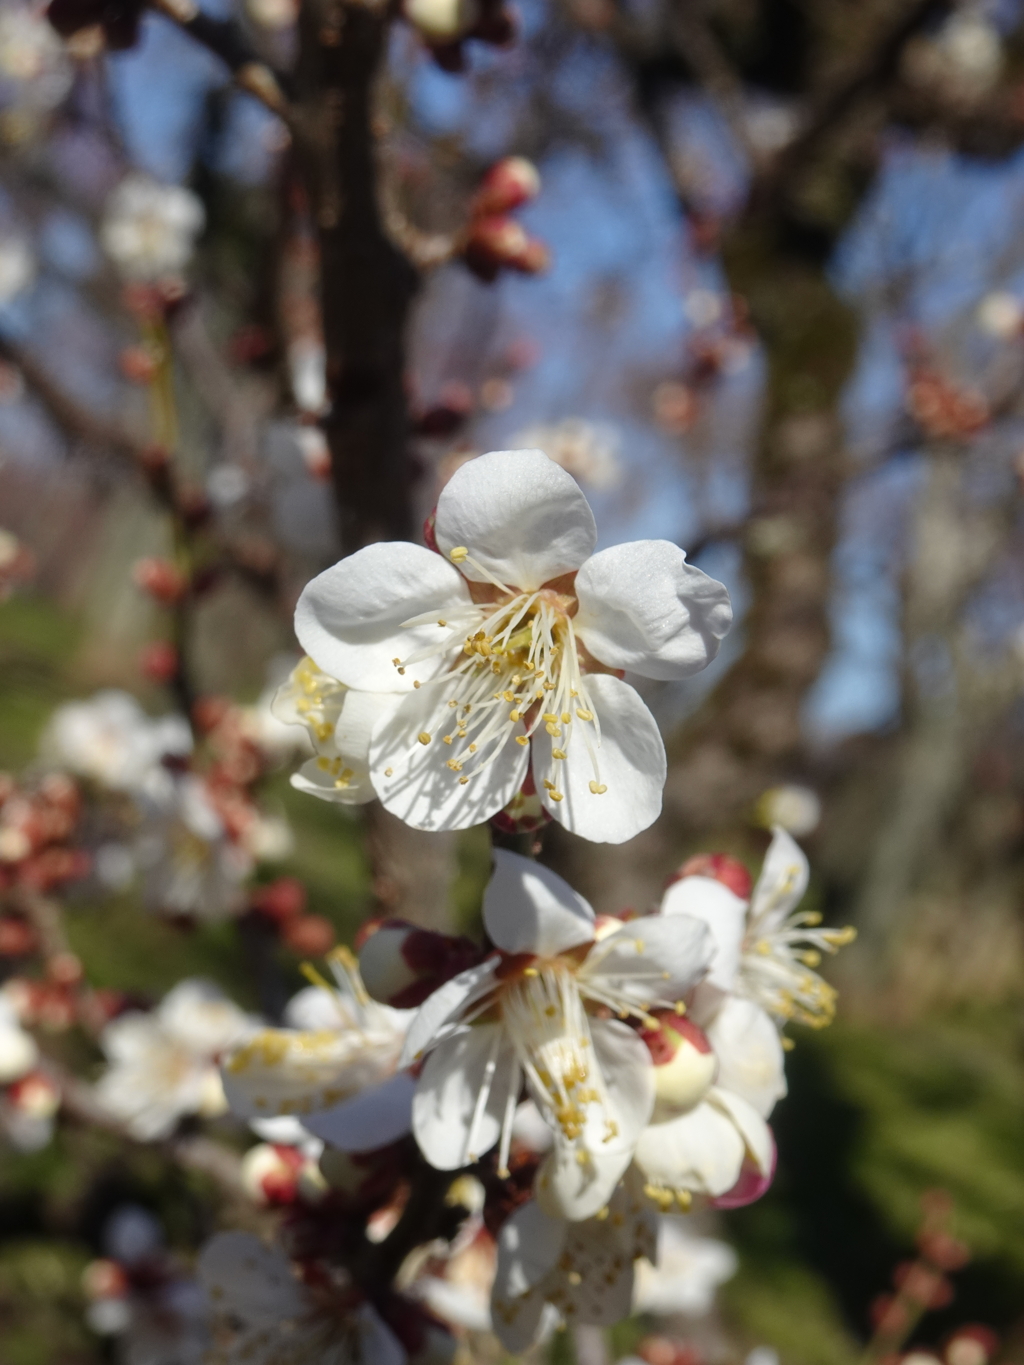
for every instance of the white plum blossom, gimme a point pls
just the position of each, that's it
(507, 649)
(18, 1050)
(190, 865)
(163, 1065)
(110, 740)
(535, 1012)
(35, 73)
(339, 723)
(149, 229)
(549, 1269)
(766, 950)
(17, 267)
(794, 808)
(687, 1272)
(332, 1073)
(589, 451)
(263, 1315)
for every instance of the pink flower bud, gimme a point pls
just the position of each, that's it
(720, 867)
(684, 1065)
(160, 579)
(508, 184)
(159, 661)
(752, 1184)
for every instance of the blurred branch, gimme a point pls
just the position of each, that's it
(696, 43)
(226, 39)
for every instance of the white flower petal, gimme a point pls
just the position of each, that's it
(701, 1150)
(520, 1323)
(349, 618)
(642, 607)
(444, 1005)
(529, 1245)
(751, 1062)
(571, 1190)
(751, 1126)
(689, 1269)
(288, 1071)
(378, 1116)
(781, 885)
(414, 782)
(722, 911)
(624, 1062)
(650, 959)
(198, 1015)
(249, 1280)
(630, 764)
(530, 909)
(451, 1126)
(313, 779)
(520, 516)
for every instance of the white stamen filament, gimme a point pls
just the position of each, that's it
(518, 668)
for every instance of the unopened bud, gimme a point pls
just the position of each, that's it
(441, 20)
(270, 1174)
(720, 867)
(401, 964)
(684, 1065)
(309, 935)
(160, 578)
(282, 900)
(497, 242)
(139, 364)
(508, 184)
(104, 1279)
(35, 1095)
(159, 661)
(753, 1182)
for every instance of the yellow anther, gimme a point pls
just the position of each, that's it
(508, 696)
(550, 717)
(396, 662)
(389, 772)
(423, 737)
(574, 1277)
(550, 785)
(680, 1007)
(402, 671)
(521, 739)
(515, 715)
(416, 682)
(446, 739)
(788, 1045)
(324, 764)
(442, 623)
(557, 753)
(463, 781)
(458, 554)
(472, 748)
(598, 788)
(566, 717)
(530, 971)
(454, 764)
(453, 703)
(557, 796)
(684, 1199)
(584, 715)
(554, 730)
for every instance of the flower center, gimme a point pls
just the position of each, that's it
(518, 667)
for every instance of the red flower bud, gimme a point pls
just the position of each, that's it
(401, 964)
(280, 901)
(508, 184)
(310, 935)
(139, 364)
(16, 937)
(720, 867)
(159, 661)
(161, 579)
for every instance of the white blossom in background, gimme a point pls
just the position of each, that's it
(273, 14)
(263, 1315)
(110, 740)
(791, 807)
(507, 647)
(331, 1074)
(339, 724)
(1001, 314)
(35, 73)
(18, 1050)
(589, 451)
(149, 230)
(17, 267)
(163, 1065)
(441, 20)
(278, 737)
(534, 1012)
(549, 1269)
(766, 950)
(190, 864)
(686, 1274)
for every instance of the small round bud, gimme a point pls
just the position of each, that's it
(685, 1065)
(282, 900)
(719, 867)
(508, 184)
(160, 578)
(159, 661)
(310, 935)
